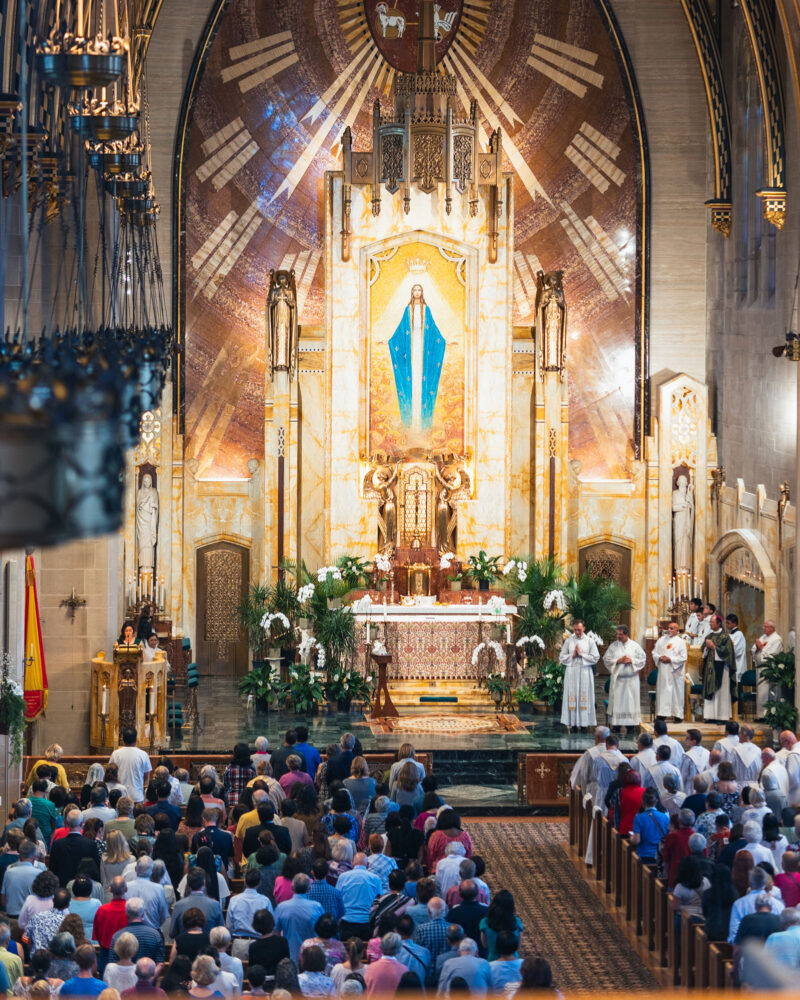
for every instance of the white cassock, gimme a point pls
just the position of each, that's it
(670, 687)
(727, 747)
(583, 771)
(739, 651)
(694, 762)
(624, 692)
(792, 763)
(577, 707)
(641, 762)
(773, 645)
(746, 762)
(774, 783)
(676, 750)
(703, 628)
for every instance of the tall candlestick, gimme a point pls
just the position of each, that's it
(508, 633)
(104, 700)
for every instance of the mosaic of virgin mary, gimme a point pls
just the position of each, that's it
(417, 350)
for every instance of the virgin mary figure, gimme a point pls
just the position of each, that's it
(417, 351)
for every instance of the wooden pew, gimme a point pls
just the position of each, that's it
(649, 906)
(661, 913)
(627, 879)
(574, 801)
(687, 952)
(701, 945)
(673, 949)
(608, 853)
(599, 846)
(720, 957)
(616, 866)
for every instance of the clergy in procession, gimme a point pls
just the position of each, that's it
(670, 655)
(768, 645)
(624, 659)
(579, 654)
(739, 644)
(659, 771)
(719, 673)
(727, 745)
(583, 771)
(774, 782)
(663, 739)
(645, 756)
(695, 757)
(746, 759)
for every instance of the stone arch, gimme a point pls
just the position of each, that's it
(738, 538)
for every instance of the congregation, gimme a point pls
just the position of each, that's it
(291, 873)
(720, 826)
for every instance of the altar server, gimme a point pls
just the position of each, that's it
(768, 645)
(579, 654)
(695, 605)
(703, 627)
(729, 741)
(739, 644)
(624, 659)
(670, 655)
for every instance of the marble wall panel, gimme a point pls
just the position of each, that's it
(312, 467)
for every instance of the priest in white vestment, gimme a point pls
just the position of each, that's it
(729, 741)
(625, 660)
(583, 771)
(774, 782)
(739, 644)
(605, 770)
(579, 654)
(663, 739)
(718, 673)
(791, 761)
(768, 645)
(746, 758)
(669, 656)
(662, 767)
(644, 759)
(695, 758)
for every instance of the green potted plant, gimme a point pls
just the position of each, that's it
(306, 689)
(344, 686)
(599, 602)
(484, 569)
(780, 713)
(251, 611)
(549, 683)
(268, 690)
(498, 688)
(525, 695)
(12, 711)
(455, 580)
(354, 571)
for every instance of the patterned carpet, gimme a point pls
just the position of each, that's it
(564, 921)
(449, 725)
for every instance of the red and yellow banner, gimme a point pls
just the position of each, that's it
(35, 672)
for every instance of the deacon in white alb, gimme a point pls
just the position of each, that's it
(727, 745)
(739, 644)
(624, 659)
(746, 757)
(583, 771)
(579, 655)
(669, 656)
(695, 757)
(663, 739)
(605, 769)
(768, 645)
(644, 758)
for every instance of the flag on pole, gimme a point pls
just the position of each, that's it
(35, 672)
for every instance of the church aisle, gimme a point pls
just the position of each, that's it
(564, 920)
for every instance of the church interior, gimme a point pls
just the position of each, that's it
(407, 369)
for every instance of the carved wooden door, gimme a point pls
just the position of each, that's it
(608, 561)
(223, 575)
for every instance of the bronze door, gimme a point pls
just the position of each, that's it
(223, 576)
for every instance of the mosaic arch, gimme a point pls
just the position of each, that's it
(274, 85)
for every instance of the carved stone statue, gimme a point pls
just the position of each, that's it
(146, 524)
(682, 524)
(379, 485)
(551, 322)
(281, 323)
(454, 484)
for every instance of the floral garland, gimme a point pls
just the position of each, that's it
(555, 597)
(531, 640)
(305, 593)
(489, 645)
(519, 566)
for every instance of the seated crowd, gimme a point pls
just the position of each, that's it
(287, 875)
(719, 825)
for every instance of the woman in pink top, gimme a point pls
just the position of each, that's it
(292, 866)
(296, 773)
(448, 829)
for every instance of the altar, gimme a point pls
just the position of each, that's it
(429, 641)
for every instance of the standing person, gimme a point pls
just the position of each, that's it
(280, 756)
(43, 810)
(579, 654)
(669, 656)
(238, 773)
(359, 888)
(68, 852)
(52, 756)
(133, 765)
(762, 649)
(746, 758)
(693, 622)
(110, 918)
(694, 760)
(739, 644)
(649, 828)
(85, 984)
(625, 660)
(719, 673)
(295, 918)
(308, 751)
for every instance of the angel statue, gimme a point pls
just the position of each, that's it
(452, 480)
(281, 323)
(379, 485)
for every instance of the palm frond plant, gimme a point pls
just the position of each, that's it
(299, 571)
(599, 602)
(335, 631)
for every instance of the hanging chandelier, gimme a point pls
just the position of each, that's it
(85, 48)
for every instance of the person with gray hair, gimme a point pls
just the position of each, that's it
(382, 976)
(476, 972)
(783, 946)
(295, 917)
(63, 965)
(758, 879)
(375, 822)
(19, 878)
(447, 873)
(672, 798)
(583, 771)
(262, 752)
(752, 831)
(758, 925)
(152, 893)
(433, 933)
(145, 970)
(220, 938)
(12, 963)
(757, 808)
(151, 940)
(22, 813)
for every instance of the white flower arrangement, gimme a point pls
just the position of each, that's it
(518, 566)
(597, 639)
(16, 689)
(307, 647)
(383, 563)
(496, 604)
(554, 597)
(447, 560)
(326, 573)
(379, 649)
(490, 644)
(362, 605)
(279, 616)
(305, 593)
(531, 640)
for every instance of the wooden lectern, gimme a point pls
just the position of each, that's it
(127, 693)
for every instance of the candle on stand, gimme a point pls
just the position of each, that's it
(368, 631)
(104, 700)
(508, 633)
(149, 701)
(701, 590)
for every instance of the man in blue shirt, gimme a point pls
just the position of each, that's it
(241, 910)
(152, 894)
(85, 984)
(172, 812)
(359, 888)
(151, 941)
(784, 946)
(295, 917)
(307, 749)
(322, 892)
(433, 934)
(649, 828)
(18, 879)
